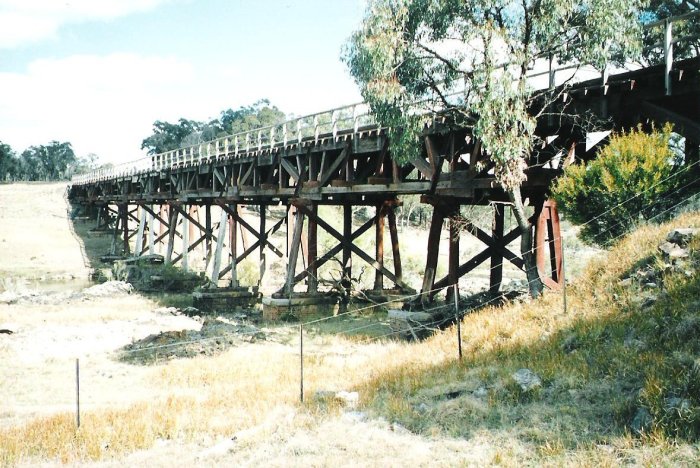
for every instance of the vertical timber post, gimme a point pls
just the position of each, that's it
(496, 276)
(140, 233)
(151, 233)
(379, 247)
(77, 393)
(668, 55)
(312, 227)
(233, 243)
(391, 215)
(124, 212)
(216, 267)
(453, 258)
(347, 252)
(294, 252)
(172, 233)
(433, 252)
(263, 241)
(185, 241)
(208, 233)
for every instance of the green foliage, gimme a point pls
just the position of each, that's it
(261, 114)
(410, 58)
(170, 136)
(8, 162)
(626, 183)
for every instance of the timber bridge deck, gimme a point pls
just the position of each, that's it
(342, 158)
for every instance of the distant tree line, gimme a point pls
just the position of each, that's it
(54, 161)
(168, 136)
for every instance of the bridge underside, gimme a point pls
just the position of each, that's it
(346, 169)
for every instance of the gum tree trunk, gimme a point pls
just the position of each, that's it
(535, 285)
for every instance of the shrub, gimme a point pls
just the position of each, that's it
(629, 181)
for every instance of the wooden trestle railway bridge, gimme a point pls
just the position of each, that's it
(342, 158)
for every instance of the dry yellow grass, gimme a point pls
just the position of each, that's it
(177, 409)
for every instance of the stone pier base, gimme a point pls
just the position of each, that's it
(301, 307)
(226, 299)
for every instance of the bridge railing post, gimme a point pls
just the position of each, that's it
(668, 54)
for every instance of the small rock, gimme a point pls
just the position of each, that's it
(398, 428)
(642, 421)
(222, 448)
(527, 379)
(673, 251)
(625, 282)
(570, 343)
(324, 395)
(682, 236)
(677, 404)
(190, 311)
(110, 288)
(651, 285)
(481, 392)
(649, 301)
(354, 416)
(422, 408)
(634, 343)
(349, 399)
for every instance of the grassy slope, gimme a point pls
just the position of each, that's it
(608, 356)
(599, 362)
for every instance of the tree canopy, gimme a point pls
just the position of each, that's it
(54, 161)
(170, 136)
(422, 50)
(412, 58)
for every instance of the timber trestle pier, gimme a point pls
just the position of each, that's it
(193, 197)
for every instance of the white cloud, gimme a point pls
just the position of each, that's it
(23, 21)
(107, 104)
(101, 104)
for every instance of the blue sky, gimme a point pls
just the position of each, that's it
(97, 73)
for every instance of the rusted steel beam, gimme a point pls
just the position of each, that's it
(548, 244)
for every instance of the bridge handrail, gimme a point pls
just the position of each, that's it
(330, 123)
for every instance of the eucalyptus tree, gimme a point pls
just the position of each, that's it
(690, 30)
(471, 58)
